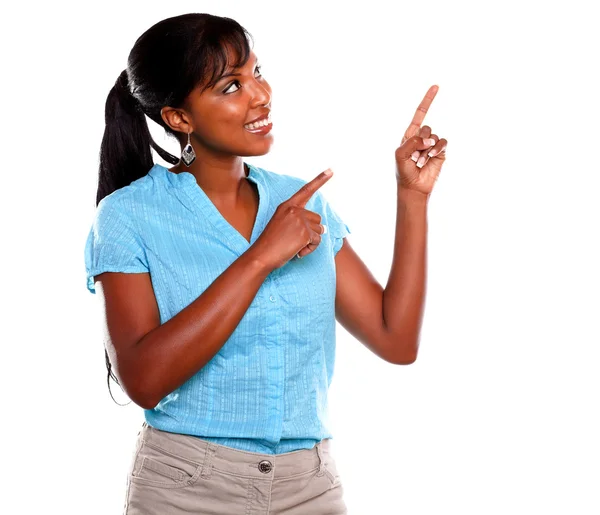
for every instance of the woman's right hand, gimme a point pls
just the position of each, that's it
(292, 229)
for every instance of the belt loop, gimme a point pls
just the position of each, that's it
(211, 449)
(321, 462)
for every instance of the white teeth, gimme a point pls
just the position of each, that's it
(256, 125)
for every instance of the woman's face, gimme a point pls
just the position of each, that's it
(219, 113)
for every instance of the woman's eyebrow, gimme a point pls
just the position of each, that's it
(231, 74)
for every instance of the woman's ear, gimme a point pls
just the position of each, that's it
(176, 119)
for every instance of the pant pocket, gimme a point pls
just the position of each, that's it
(330, 469)
(157, 467)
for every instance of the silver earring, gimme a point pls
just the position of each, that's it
(187, 154)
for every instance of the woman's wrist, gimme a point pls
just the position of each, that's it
(411, 196)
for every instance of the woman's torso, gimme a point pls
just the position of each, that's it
(266, 389)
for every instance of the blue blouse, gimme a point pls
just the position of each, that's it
(266, 389)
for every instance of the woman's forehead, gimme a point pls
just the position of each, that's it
(233, 57)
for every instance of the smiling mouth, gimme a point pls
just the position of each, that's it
(265, 122)
(261, 130)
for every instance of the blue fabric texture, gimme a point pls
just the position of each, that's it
(266, 390)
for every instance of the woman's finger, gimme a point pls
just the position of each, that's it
(424, 154)
(424, 132)
(317, 231)
(416, 143)
(420, 113)
(438, 148)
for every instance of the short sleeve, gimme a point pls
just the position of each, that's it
(112, 244)
(336, 227)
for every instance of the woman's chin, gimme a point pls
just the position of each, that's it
(262, 148)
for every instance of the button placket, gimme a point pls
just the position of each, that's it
(272, 279)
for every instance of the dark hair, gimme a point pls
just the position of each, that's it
(166, 63)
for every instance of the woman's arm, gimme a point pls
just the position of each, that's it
(387, 321)
(151, 360)
(404, 294)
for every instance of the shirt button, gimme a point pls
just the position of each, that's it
(272, 298)
(265, 466)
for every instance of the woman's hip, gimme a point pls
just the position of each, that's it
(175, 473)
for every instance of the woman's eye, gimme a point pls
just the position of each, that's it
(226, 90)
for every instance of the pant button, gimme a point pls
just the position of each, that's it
(265, 466)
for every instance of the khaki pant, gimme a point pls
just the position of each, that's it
(173, 474)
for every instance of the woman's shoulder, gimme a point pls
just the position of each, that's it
(138, 191)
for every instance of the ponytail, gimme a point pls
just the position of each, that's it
(125, 153)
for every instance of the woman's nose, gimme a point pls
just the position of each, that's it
(262, 96)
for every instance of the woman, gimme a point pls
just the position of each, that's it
(222, 281)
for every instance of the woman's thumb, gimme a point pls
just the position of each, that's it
(405, 150)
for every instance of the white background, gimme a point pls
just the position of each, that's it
(499, 414)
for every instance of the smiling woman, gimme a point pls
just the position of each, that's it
(226, 108)
(210, 272)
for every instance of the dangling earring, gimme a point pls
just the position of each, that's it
(187, 154)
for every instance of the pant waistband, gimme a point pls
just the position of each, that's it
(211, 455)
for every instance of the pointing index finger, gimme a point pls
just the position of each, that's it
(420, 113)
(302, 196)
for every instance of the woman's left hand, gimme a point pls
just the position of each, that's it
(421, 154)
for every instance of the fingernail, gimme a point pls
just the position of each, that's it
(328, 172)
(324, 229)
(430, 141)
(415, 155)
(421, 161)
(431, 153)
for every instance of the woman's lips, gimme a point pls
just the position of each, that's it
(261, 130)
